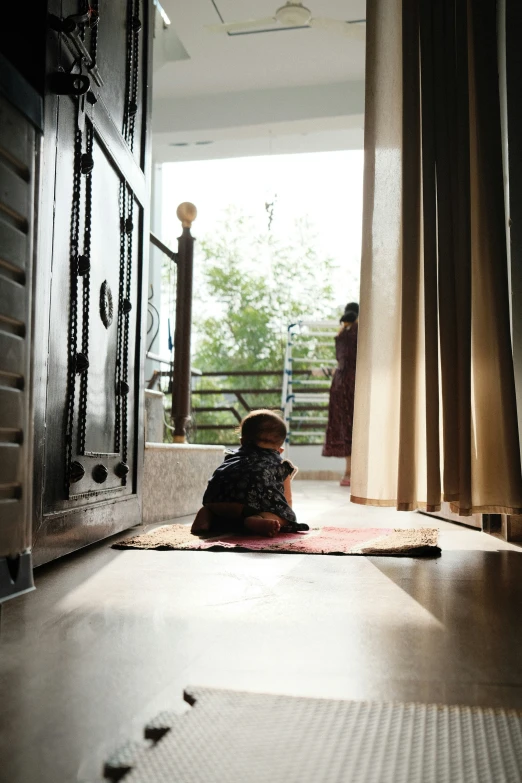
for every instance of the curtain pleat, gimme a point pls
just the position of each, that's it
(435, 412)
(376, 430)
(429, 250)
(410, 255)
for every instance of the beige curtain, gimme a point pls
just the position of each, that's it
(435, 411)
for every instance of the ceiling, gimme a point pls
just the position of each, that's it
(220, 95)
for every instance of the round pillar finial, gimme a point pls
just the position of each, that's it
(187, 213)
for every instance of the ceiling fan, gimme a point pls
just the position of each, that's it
(293, 14)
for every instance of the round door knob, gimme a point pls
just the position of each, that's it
(127, 306)
(100, 473)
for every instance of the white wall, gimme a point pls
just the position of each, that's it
(309, 460)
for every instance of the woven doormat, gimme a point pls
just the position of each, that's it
(235, 737)
(321, 541)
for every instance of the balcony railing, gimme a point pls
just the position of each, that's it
(242, 398)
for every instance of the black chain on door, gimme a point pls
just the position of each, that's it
(81, 269)
(89, 430)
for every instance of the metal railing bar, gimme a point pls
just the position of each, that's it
(310, 382)
(157, 358)
(318, 324)
(302, 397)
(256, 391)
(315, 361)
(309, 418)
(156, 241)
(210, 409)
(167, 373)
(313, 334)
(216, 427)
(253, 373)
(306, 433)
(234, 391)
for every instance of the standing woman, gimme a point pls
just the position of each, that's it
(340, 410)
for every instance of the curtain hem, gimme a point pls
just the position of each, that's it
(395, 504)
(462, 512)
(468, 512)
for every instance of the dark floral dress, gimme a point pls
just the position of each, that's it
(255, 477)
(340, 410)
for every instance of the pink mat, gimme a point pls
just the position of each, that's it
(326, 540)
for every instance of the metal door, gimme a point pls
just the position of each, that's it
(93, 220)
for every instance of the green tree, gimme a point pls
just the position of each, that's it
(255, 285)
(251, 284)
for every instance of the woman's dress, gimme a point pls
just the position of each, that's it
(340, 410)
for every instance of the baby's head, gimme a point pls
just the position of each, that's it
(263, 428)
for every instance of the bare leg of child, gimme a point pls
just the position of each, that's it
(209, 514)
(202, 522)
(264, 524)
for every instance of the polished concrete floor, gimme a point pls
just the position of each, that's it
(110, 638)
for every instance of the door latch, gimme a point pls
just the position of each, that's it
(69, 28)
(69, 83)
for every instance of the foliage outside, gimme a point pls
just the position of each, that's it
(249, 286)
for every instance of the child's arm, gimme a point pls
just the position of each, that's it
(288, 490)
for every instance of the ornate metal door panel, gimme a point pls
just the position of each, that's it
(89, 423)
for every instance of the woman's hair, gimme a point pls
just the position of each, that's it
(263, 426)
(351, 313)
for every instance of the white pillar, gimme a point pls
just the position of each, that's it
(156, 259)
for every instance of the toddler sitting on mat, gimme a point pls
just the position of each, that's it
(251, 492)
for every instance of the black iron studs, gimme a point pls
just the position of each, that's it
(82, 363)
(87, 163)
(100, 473)
(127, 226)
(123, 388)
(127, 306)
(76, 473)
(121, 469)
(84, 265)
